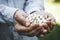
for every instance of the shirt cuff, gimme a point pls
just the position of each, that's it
(10, 13)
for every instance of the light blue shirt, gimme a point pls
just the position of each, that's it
(7, 10)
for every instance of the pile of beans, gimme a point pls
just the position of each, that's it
(34, 18)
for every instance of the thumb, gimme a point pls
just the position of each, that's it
(20, 17)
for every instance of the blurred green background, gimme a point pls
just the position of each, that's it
(53, 6)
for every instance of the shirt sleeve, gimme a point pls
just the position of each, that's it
(6, 13)
(34, 5)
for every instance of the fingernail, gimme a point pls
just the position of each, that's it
(44, 31)
(52, 21)
(41, 35)
(27, 24)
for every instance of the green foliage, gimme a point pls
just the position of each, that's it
(54, 35)
(57, 0)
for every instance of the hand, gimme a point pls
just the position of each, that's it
(27, 31)
(23, 27)
(51, 20)
(20, 16)
(48, 25)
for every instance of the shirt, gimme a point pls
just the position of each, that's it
(7, 10)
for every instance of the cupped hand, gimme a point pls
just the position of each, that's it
(23, 27)
(47, 26)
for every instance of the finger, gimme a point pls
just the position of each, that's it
(40, 35)
(22, 20)
(50, 24)
(20, 17)
(47, 27)
(32, 30)
(33, 26)
(44, 31)
(36, 31)
(19, 27)
(28, 29)
(44, 27)
(53, 22)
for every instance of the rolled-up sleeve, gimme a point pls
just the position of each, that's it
(34, 5)
(6, 13)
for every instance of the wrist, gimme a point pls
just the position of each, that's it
(15, 13)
